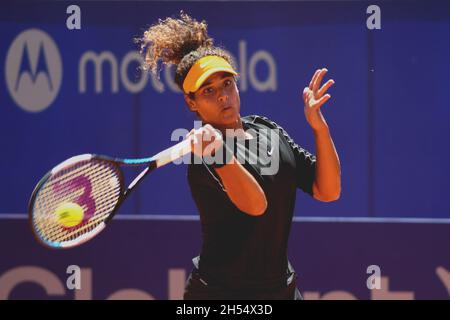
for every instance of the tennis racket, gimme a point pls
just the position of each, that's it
(73, 202)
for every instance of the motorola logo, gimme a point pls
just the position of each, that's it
(33, 70)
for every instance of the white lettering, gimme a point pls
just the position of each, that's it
(373, 21)
(98, 62)
(74, 281)
(74, 20)
(374, 281)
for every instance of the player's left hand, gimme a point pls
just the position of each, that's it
(314, 97)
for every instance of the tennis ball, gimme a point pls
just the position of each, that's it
(69, 214)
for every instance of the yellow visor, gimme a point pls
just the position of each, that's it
(202, 69)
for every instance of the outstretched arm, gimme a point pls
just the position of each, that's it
(327, 183)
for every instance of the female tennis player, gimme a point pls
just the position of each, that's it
(245, 215)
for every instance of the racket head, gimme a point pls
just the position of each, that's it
(92, 182)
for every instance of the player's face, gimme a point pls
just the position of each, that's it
(217, 101)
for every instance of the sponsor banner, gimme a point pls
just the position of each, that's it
(150, 258)
(68, 91)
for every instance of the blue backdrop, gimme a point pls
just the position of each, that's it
(66, 92)
(388, 114)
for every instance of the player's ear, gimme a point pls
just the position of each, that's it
(190, 102)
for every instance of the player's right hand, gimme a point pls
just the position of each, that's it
(205, 141)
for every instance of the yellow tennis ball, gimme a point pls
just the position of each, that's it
(69, 214)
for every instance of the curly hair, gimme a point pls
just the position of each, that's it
(178, 41)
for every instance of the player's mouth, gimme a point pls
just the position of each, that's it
(227, 108)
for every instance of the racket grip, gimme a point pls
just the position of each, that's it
(171, 154)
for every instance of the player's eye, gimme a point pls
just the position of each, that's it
(208, 90)
(228, 82)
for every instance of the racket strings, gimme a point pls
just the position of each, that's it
(87, 224)
(59, 233)
(105, 201)
(92, 184)
(101, 202)
(52, 228)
